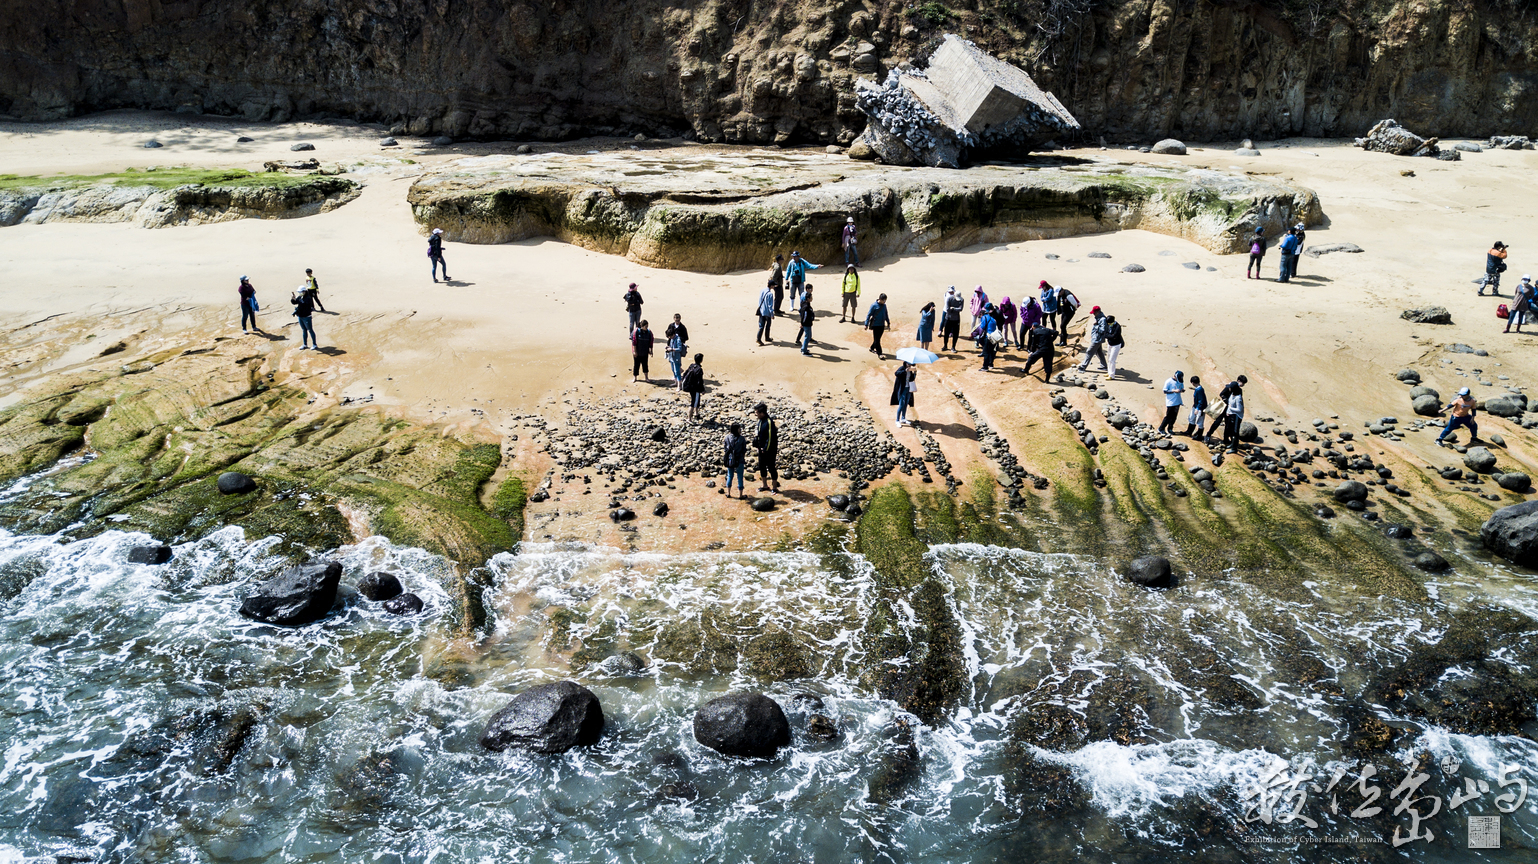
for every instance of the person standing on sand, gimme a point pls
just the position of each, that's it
(876, 321)
(304, 310)
(1173, 387)
(986, 332)
(767, 442)
(1067, 307)
(694, 385)
(248, 305)
(777, 282)
(850, 241)
(1521, 302)
(1198, 405)
(435, 254)
(1008, 313)
(950, 324)
(1234, 416)
(1495, 265)
(808, 316)
(1030, 316)
(851, 294)
(309, 277)
(1041, 343)
(675, 354)
(1257, 252)
(1463, 415)
(736, 458)
(766, 312)
(926, 332)
(1113, 339)
(1286, 249)
(1096, 347)
(978, 305)
(904, 386)
(633, 304)
(641, 352)
(678, 329)
(796, 272)
(1229, 389)
(1301, 232)
(1048, 301)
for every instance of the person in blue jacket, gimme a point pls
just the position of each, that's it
(926, 332)
(766, 304)
(795, 271)
(736, 458)
(1288, 248)
(876, 321)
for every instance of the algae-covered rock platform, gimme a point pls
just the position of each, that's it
(710, 211)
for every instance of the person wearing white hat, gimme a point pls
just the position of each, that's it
(1301, 231)
(1463, 415)
(435, 254)
(1521, 304)
(850, 243)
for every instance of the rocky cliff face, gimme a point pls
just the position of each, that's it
(777, 70)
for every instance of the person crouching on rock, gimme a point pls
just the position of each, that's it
(694, 385)
(641, 342)
(1042, 343)
(736, 458)
(767, 443)
(1463, 415)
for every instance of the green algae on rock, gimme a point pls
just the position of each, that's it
(715, 212)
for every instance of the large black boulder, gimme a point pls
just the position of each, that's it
(1512, 533)
(548, 718)
(235, 483)
(1151, 571)
(742, 724)
(380, 586)
(298, 595)
(149, 554)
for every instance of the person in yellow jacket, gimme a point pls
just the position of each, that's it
(851, 294)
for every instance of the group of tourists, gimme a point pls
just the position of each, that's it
(1289, 249)
(305, 299)
(1227, 411)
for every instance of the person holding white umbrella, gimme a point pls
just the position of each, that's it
(905, 380)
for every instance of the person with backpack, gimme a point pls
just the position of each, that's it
(808, 315)
(1048, 300)
(633, 303)
(1463, 415)
(735, 458)
(777, 282)
(1008, 312)
(1286, 249)
(851, 294)
(435, 254)
(767, 442)
(1521, 303)
(796, 271)
(1173, 387)
(1113, 339)
(248, 306)
(1257, 252)
(1067, 307)
(950, 323)
(694, 384)
(1198, 407)
(766, 311)
(876, 321)
(926, 332)
(850, 241)
(988, 336)
(309, 277)
(1495, 265)
(1041, 342)
(904, 386)
(304, 310)
(1096, 347)
(641, 352)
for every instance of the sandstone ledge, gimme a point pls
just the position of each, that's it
(150, 206)
(717, 212)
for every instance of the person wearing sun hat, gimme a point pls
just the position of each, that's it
(435, 254)
(1463, 415)
(851, 243)
(1521, 304)
(1096, 347)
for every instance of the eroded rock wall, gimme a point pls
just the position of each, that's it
(783, 70)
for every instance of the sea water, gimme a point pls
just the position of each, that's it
(142, 719)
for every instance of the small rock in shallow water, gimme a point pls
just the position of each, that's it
(547, 718)
(742, 724)
(1430, 562)
(821, 728)
(149, 554)
(1152, 571)
(403, 604)
(1397, 532)
(623, 663)
(298, 595)
(380, 586)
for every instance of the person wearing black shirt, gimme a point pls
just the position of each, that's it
(736, 458)
(950, 325)
(767, 443)
(304, 310)
(641, 352)
(1041, 343)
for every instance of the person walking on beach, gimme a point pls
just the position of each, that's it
(1096, 347)
(950, 324)
(1067, 307)
(988, 336)
(850, 241)
(1041, 342)
(1007, 315)
(309, 278)
(1113, 340)
(808, 315)
(876, 321)
(979, 304)
(248, 305)
(1173, 387)
(767, 443)
(1495, 265)
(851, 294)
(1463, 415)
(1048, 300)
(633, 303)
(777, 282)
(926, 332)
(304, 310)
(1257, 252)
(694, 385)
(435, 254)
(736, 458)
(675, 353)
(1198, 406)
(795, 271)
(904, 386)
(1286, 249)
(641, 352)
(766, 311)
(1521, 303)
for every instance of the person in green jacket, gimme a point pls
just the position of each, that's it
(851, 294)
